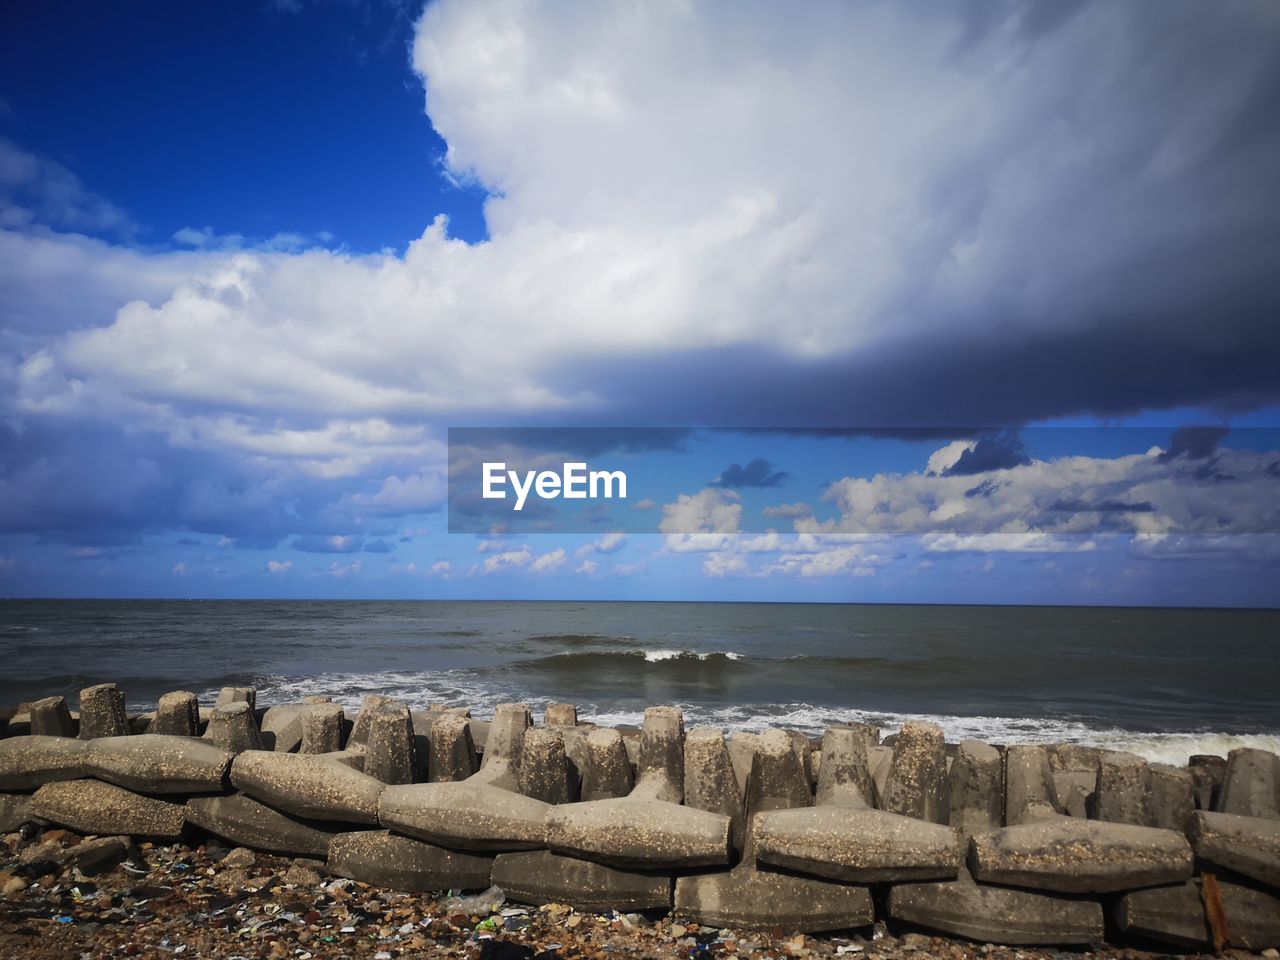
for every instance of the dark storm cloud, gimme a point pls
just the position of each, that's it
(1003, 451)
(757, 473)
(1194, 443)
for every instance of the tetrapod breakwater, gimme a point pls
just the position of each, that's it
(1002, 843)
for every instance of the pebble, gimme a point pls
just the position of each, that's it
(241, 857)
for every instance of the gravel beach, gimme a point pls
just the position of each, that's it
(62, 895)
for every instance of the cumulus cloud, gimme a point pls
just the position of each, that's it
(552, 560)
(279, 566)
(990, 238)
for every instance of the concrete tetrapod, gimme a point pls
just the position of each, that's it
(1248, 845)
(158, 763)
(541, 876)
(1251, 785)
(976, 786)
(648, 828)
(844, 839)
(754, 898)
(1176, 915)
(30, 762)
(917, 782)
(94, 807)
(102, 712)
(177, 714)
(1067, 855)
(51, 718)
(247, 822)
(483, 812)
(308, 786)
(992, 914)
(402, 863)
(15, 810)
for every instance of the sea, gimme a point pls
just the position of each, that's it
(1164, 683)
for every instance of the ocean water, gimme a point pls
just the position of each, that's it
(1162, 682)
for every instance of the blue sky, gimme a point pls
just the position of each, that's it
(257, 258)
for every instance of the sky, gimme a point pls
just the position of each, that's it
(885, 302)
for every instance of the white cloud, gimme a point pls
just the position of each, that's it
(508, 560)
(711, 510)
(344, 570)
(552, 560)
(179, 569)
(587, 568)
(279, 566)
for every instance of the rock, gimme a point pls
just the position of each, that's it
(710, 782)
(300, 875)
(30, 762)
(975, 785)
(380, 857)
(157, 763)
(177, 715)
(544, 877)
(606, 772)
(1030, 792)
(389, 752)
(858, 845)
(51, 718)
(233, 727)
(14, 811)
(1123, 792)
(964, 908)
(1248, 845)
(93, 807)
(240, 858)
(308, 787)
(453, 753)
(544, 768)
(1251, 785)
(13, 886)
(1173, 801)
(102, 712)
(1065, 855)
(917, 782)
(321, 725)
(243, 820)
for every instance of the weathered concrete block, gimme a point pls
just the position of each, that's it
(177, 715)
(710, 782)
(15, 810)
(880, 758)
(310, 787)
(504, 745)
(606, 772)
(1065, 855)
(385, 859)
(471, 815)
(544, 768)
(777, 780)
(754, 899)
(1172, 915)
(389, 753)
(661, 768)
(91, 806)
(1029, 790)
(857, 845)
(229, 695)
(1074, 790)
(844, 776)
(975, 785)
(1123, 792)
(102, 712)
(371, 705)
(917, 783)
(1209, 772)
(1172, 797)
(963, 908)
(560, 715)
(650, 834)
(541, 876)
(321, 725)
(452, 751)
(160, 764)
(233, 726)
(51, 718)
(281, 727)
(742, 751)
(1074, 757)
(30, 762)
(247, 822)
(1248, 845)
(1251, 785)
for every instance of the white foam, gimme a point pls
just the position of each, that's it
(657, 656)
(463, 688)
